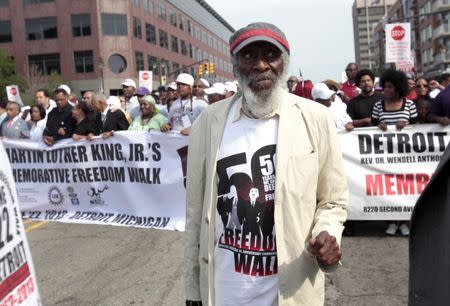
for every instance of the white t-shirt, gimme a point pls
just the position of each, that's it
(132, 107)
(37, 130)
(245, 254)
(184, 112)
(339, 111)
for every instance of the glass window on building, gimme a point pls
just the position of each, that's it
(148, 6)
(139, 57)
(46, 64)
(41, 28)
(210, 43)
(204, 37)
(165, 67)
(3, 3)
(150, 33)
(175, 67)
(114, 24)
(163, 39)
(5, 32)
(117, 63)
(173, 18)
(153, 64)
(25, 2)
(189, 28)
(174, 44)
(162, 11)
(181, 22)
(137, 29)
(184, 50)
(81, 25)
(136, 2)
(84, 61)
(191, 52)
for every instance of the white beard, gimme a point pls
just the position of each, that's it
(263, 103)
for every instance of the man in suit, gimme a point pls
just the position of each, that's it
(285, 147)
(429, 247)
(13, 126)
(108, 120)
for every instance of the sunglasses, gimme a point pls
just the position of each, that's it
(422, 85)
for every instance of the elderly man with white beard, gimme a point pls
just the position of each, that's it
(287, 148)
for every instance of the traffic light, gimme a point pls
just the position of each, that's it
(206, 66)
(200, 70)
(211, 68)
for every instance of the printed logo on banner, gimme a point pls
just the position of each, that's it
(73, 196)
(95, 195)
(5, 190)
(55, 196)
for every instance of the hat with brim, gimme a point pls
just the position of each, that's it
(216, 88)
(322, 92)
(258, 31)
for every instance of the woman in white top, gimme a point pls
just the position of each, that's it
(37, 123)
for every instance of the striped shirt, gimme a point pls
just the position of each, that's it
(407, 112)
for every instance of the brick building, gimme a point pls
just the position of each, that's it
(98, 43)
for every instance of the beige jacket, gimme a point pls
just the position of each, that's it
(310, 197)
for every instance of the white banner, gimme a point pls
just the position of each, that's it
(146, 79)
(130, 179)
(387, 171)
(17, 277)
(398, 42)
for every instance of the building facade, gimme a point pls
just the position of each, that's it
(366, 14)
(430, 34)
(97, 44)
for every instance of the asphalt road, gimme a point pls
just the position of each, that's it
(108, 265)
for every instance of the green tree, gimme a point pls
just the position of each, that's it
(8, 76)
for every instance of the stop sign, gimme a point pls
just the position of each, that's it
(145, 76)
(13, 91)
(398, 32)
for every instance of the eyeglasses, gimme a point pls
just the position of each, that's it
(290, 81)
(422, 85)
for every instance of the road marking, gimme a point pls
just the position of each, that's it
(34, 226)
(26, 221)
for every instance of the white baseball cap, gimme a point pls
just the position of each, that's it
(185, 78)
(230, 86)
(216, 88)
(321, 91)
(173, 86)
(204, 81)
(65, 87)
(129, 83)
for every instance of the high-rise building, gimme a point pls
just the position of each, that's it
(366, 14)
(97, 44)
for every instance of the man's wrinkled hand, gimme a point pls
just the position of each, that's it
(325, 248)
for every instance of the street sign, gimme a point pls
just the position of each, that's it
(146, 79)
(398, 42)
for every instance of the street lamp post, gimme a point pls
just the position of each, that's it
(101, 65)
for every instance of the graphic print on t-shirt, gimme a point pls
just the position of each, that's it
(246, 207)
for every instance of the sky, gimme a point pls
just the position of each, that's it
(320, 32)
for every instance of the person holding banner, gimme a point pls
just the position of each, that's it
(396, 110)
(37, 123)
(14, 127)
(266, 189)
(60, 123)
(85, 128)
(150, 118)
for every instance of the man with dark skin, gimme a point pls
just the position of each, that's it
(131, 102)
(360, 107)
(349, 87)
(240, 143)
(198, 90)
(87, 97)
(60, 123)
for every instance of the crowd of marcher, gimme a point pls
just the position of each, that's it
(362, 100)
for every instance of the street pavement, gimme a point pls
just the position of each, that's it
(110, 265)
